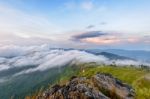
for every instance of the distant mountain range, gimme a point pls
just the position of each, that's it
(131, 54)
(111, 56)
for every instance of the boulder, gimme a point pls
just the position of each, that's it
(113, 87)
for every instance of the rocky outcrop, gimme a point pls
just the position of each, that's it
(100, 86)
(113, 87)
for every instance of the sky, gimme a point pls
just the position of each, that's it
(82, 24)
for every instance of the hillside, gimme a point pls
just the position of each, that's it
(136, 77)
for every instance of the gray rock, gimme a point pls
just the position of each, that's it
(100, 86)
(113, 86)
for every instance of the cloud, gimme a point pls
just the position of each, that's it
(89, 34)
(3, 67)
(87, 5)
(11, 51)
(127, 62)
(25, 25)
(133, 39)
(110, 38)
(83, 5)
(102, 40)
(90, 26)
(41, 58)
(103, 23)
(44, 57)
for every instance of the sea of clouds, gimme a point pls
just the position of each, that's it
(43, 58)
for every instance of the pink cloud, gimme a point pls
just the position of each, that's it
(133, 39)
(114, 39)
(102, 40)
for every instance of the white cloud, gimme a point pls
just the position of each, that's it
(87, 5)
(83, 5)
(25, 25)
(43, 58)
(4, 67)
(55, 58)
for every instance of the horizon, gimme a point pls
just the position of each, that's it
(79, 24)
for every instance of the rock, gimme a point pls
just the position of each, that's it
(113, 86)
(100, 86)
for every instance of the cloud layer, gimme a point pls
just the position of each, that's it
(40, 58)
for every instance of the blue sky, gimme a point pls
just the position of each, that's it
(125, 23)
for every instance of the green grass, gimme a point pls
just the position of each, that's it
(136, 77)
(131, 75)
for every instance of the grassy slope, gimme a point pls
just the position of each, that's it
(138, 78)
